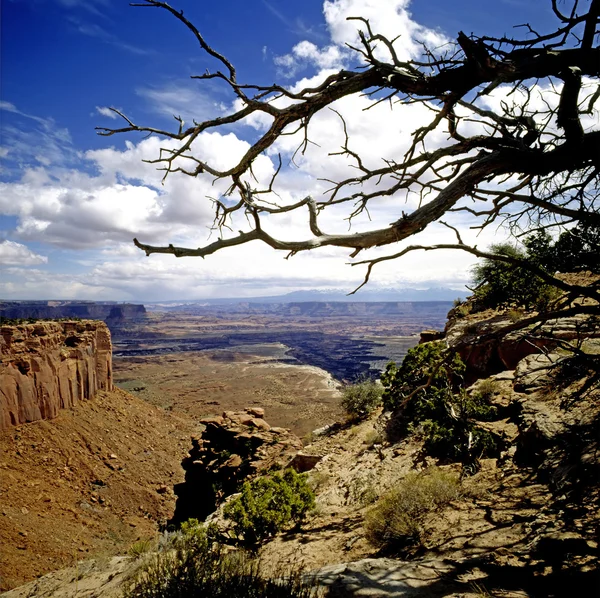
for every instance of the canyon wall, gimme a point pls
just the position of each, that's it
(47, 366)
(110, 312)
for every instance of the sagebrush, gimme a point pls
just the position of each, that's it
(194, 563)
(360, 399)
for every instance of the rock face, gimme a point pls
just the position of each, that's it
(231, 449)
(488, 356)
(47, 366)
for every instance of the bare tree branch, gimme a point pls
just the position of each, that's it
(529, 160)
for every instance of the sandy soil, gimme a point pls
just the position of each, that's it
(86, 483)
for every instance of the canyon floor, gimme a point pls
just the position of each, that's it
(196, 384)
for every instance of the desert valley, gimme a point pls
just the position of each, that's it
(106, 443)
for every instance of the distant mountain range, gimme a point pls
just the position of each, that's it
(329, 295)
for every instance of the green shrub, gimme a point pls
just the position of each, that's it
(268, 505)
(462, 311)
(487, 388)
(451, 433)
(500, 284)
(359, 400)
(420, 363)
(197, 565)
(397, 520)
(514, 315)
(139, 548)
(443, 414)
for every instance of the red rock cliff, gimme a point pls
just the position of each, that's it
(47, 366)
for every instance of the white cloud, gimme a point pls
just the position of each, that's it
(105, 111)
(174, 99)
(390, 19)
(127, 197)
(306, 53)
(16, 254)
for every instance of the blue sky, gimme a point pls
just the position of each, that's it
(70, 201)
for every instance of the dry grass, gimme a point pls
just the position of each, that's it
(397, 518)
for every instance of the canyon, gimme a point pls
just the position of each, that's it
(108, 469)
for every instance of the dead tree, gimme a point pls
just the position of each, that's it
(522, 165)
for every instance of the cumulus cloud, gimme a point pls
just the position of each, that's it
(16, 254)
(391, 19)
(306, 53)
(125, 197)
(98, 202)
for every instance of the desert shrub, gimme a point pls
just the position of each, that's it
(397, 520)
(442, 413)
(140, 547)
(197, 565)
(419, 364)
(268, 505)
(514, 315)
(360, 399)
(487, 388)
(461, 310)
(500, 284)
(452, 434)
(372, 438)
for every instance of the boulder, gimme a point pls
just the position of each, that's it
(256, 411)
(485, 354)
(302, 463)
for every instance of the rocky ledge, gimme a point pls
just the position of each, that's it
(47, 366)
(232, 448)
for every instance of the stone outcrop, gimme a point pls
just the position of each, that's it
(485, 354)
(428, 336)
(232, 448)
(47, 366)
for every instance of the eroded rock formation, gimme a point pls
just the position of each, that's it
(233, 448)
(47, 366)
(485, 354)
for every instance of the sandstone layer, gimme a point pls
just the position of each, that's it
(48, 366)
